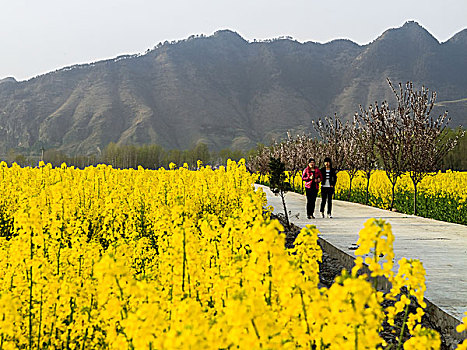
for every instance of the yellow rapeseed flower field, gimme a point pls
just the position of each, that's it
(441, 195)
(102, 258)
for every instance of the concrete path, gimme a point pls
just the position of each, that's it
(440, 246)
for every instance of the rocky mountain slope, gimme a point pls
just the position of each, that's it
(225, 91)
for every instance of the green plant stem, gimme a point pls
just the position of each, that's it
(304, 312)
(184, 261)
(256, 329)
(30, 292)
(356, 338)
(406, 313)
(30, 308)
(40, 323)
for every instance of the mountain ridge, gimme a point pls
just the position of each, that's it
(223, 90)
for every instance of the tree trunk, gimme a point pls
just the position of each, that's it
(415, 199)
(285, 210)
(350, 187)
(367, 188)
(415, 184)
(393, 190)
(393, 180)
(294, 176)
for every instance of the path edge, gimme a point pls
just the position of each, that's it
(446, 322)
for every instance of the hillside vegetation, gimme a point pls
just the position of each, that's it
(224, 91)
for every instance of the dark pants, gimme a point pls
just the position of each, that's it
(311, 194)
(326, 195)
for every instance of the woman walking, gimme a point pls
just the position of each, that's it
(327, 186)
(312, 177)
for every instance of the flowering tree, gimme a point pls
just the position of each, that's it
(365, 154)
(292, 154)
(341, 145)
(389, 133)
(258, 162)
(295, 152)
(426, 140)
(353, 161)
(334, 134)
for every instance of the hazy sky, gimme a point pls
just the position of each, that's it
(38, 36)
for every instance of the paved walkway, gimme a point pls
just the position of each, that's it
(441, 246)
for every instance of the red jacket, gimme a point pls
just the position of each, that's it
(312, 177)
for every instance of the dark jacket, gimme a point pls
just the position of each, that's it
(312, 177)
(333, 176)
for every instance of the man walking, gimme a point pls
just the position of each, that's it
(327, 186)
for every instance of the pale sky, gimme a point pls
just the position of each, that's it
(39, 36)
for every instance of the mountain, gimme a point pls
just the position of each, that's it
(225, 91)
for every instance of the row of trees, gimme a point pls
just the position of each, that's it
(399, 140)
(131, 156)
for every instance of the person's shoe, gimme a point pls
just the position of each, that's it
(329, 216)
(308, 217)
(312, 216)
(322, 214)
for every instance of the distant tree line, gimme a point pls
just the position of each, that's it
(132, 156)
(403, 139)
